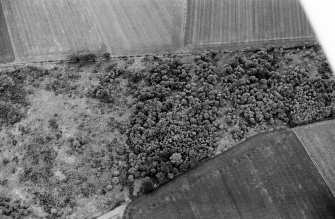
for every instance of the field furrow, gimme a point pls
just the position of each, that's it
(229, 22)
(140, 27)
(50, 30)
(6, 49)
(267, 176)
(319, 141)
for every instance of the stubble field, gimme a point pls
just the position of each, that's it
(6, 50)
(140, 27)
(220, 22)
(49, 30)
(319, 141)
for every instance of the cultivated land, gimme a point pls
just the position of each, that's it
(6, 50)
(219, 22)
(78, 139)
(49, 30)
(268, 176)
(140, 27)
(319, 142)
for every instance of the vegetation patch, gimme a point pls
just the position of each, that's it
(79, 138)
(184, 106)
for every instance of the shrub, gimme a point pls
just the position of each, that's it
(147, 185)
(107, 56)
(83, 58)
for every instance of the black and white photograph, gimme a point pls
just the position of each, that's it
(167, 109)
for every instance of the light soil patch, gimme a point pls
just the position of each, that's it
(319, 142)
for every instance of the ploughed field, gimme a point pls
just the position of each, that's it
(46, 30)
(51, 30)
(6, 50)
(268, 176)
(140, 27)
(217, 22)
(80, 138)
(319, 141)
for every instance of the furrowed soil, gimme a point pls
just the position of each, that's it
(319, 141)
(140, 27)
(6, 49)
(267, 176)
(79, 138)
(223, 22)
(50, 30)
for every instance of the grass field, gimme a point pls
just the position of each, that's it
(43, 29)
(136, 27)
(216, 22)
(319, 141)
(268, 176)
(6, 50)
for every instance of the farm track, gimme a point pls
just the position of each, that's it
(48, 30)
(319, 142)
(267, 176)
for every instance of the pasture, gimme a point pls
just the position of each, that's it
(6, 50)
(222, 22)
(46, 30)
(140, 27)
(319, 141)
(267, 176)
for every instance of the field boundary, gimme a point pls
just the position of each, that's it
(233, 153)
(199, 165)
(184, 45)
(256, 43)
(324, 164)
